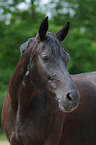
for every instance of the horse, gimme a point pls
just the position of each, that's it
(45, 105)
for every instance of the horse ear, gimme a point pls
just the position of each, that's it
(43, 29)
(62, 34)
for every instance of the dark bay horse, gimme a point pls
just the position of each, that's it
(41, 97)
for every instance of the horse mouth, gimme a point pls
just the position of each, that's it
(64, 108)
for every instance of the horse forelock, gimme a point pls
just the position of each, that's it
(55, 46)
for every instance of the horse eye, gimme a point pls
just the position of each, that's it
(45, 58)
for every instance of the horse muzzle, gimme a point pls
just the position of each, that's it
(69, 101)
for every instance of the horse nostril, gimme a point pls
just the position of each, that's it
(69, 97)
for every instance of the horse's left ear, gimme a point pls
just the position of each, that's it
(43, 29)
(62, 34)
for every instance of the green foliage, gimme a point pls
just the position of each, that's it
(82, 52)
(2, 96)
(2, 137)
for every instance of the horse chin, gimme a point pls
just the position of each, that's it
(65, 110)
(62, 108)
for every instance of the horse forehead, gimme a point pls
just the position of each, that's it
(51, 42)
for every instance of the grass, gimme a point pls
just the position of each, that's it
(3, 140)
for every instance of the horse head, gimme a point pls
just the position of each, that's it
(48, 67)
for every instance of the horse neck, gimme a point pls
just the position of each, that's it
(20, 89)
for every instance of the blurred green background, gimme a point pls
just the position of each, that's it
(20, 20)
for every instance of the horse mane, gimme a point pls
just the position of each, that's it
(26, 45)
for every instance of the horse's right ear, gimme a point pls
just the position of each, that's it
(43, 29)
